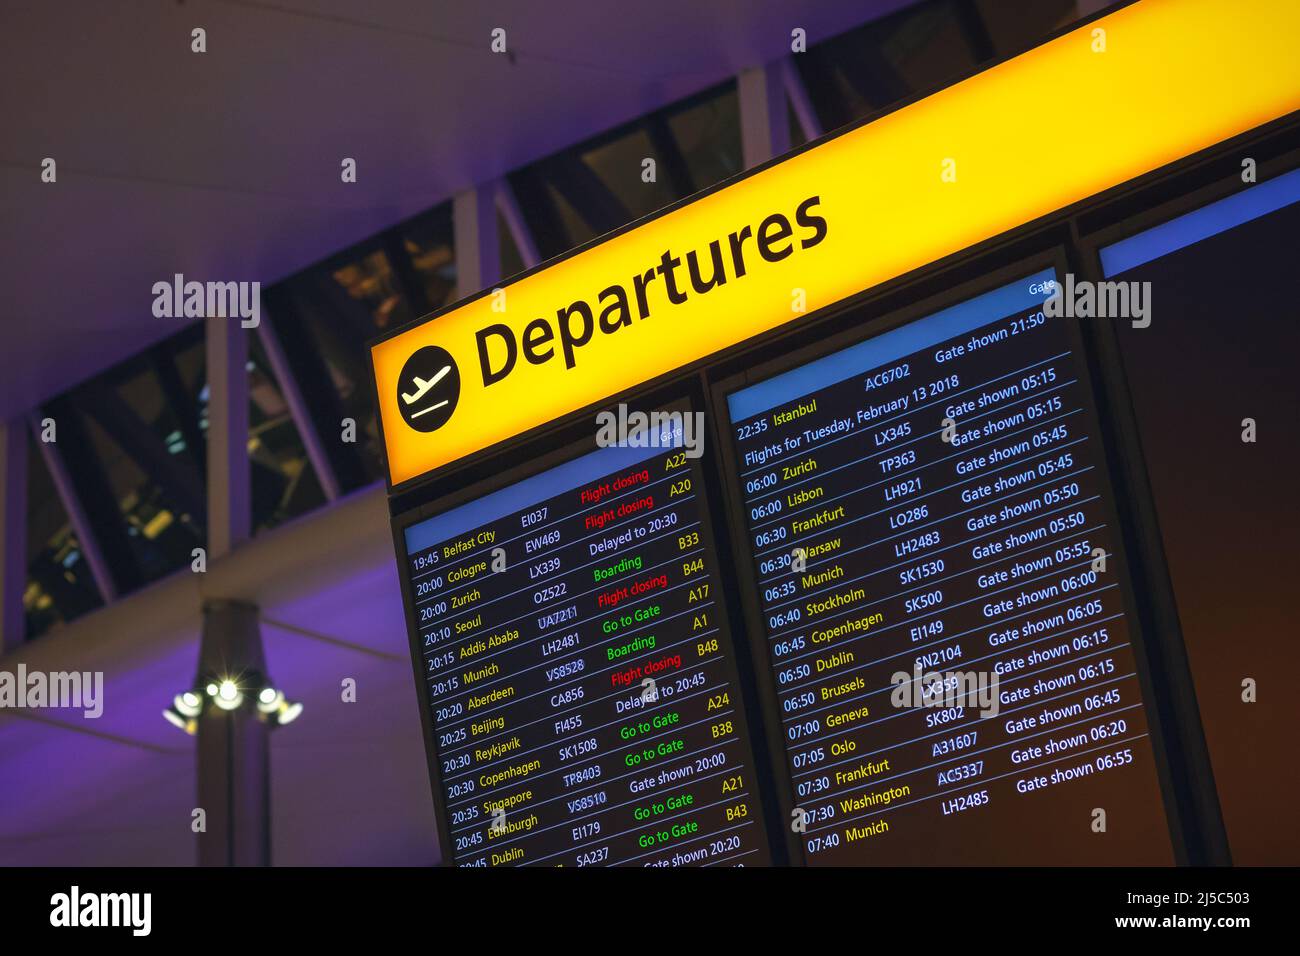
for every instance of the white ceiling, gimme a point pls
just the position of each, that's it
(226, 164)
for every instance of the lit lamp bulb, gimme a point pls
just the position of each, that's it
(228, 695)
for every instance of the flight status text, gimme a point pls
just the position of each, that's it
(580, 672)
(928, 515)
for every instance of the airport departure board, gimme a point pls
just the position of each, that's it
(886, 547)
(579, 671)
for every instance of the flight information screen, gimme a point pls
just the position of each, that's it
(579, 671)
(936, 561)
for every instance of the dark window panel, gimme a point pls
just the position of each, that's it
(578, 194)
(327, 357)
(404, 278)
(429, 246)
(540, 211)
(159, 534)
(141, 488)
(1017, 27)
(284, 483)
(849, 76)
(182, 398)
(706, 131)
(149, 453)
(927, 49)
(371, 281)
(573, 225)
(617, 165)
(672, 167)
(920, 48)
(971, 23)
(89, 479)
(60, 586)
(588, 194)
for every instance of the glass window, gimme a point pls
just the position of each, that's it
(325, 317)
(872, 66)
(927, 48)
(131, 439)
(160, 531)
(60, 586)
(325, 348)
(428, 244)
(618, 164)
(920, 48)
(576, 228)
(596, 186)
(369, 279)
(284, 483)
(134, 441)
(707, 134)
(1015, 28)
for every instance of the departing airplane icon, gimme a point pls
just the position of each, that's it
(422, 387)
(428, 383)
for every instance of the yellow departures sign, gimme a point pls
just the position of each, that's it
(1089, 110)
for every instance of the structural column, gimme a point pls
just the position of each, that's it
(796, 94)
(764, 124)
(477, 241)
(234, 766)
(230, 505)
(508, 206)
